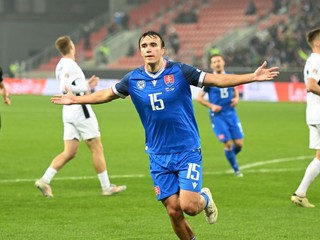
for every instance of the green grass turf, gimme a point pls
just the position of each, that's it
(254, 207)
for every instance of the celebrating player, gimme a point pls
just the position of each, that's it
(79, 122)
(160, 91)
(224, 120)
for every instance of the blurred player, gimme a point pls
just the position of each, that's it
(224, 120)
(79, 122)
(160, 91)
(3, 89)
(311, 79)
(5, 94)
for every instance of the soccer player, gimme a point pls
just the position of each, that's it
(160, 91)
(224, 120)
(5, 94)
(311, 79)
(79, 122)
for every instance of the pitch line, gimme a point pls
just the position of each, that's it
(279, 160)
(247, 166)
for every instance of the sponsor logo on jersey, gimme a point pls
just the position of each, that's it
(141, 84)
(169, 80)
(157, 190)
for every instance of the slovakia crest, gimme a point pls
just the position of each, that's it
(141, 84)
(169, 80)
(157, 190)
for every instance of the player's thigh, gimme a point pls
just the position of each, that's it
(71, 147)
(235, 128)
(165, 181)
(94, 144)
(221, 129)
(189, 199)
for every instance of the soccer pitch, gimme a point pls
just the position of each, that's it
(257, 206)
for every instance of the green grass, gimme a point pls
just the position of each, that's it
(255, 207)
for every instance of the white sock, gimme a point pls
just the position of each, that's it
(48, 175)
(311, 173)
(104, 179)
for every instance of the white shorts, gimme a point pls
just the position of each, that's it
(314, 136)
(86, 129)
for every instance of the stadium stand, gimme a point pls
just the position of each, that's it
(100, 33)
(280, 38)
(215, 18)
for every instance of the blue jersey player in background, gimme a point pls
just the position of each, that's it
(160, 91)
(224, 120)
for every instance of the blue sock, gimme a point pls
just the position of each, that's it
(236, 149)
(231, 156)
(206, 198)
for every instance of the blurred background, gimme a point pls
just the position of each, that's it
(246, 32)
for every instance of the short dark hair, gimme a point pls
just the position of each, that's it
(312, 35)
(151, 34)
(216, 55)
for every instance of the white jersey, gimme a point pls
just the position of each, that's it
(71, 77)
(312, 70)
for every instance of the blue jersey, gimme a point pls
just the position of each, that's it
(221, 97)
(225, 123)
(164, 104)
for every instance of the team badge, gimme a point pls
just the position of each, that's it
(221, 136)
(169, 80)
(141, 84)
(157, 190)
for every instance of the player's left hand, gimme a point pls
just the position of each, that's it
(263, 74)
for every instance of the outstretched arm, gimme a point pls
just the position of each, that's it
(229, 80)
(101, 96)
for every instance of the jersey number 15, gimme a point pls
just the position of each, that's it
(156, 103)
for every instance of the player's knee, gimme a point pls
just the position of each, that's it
(70, 155)
(174, 213)
(228, 145)
(239, 145)
(190, 208)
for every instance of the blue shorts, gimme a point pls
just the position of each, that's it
(172, 172)
(226, 127)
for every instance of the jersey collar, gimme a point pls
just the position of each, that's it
(157, 74)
